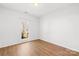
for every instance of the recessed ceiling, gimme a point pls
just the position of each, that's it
(39, 10)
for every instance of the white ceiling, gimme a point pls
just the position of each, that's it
(40, 10)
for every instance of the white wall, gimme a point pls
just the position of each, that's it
(11, 27)
(62, 27)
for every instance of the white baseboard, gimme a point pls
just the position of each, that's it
(4, 44)
(62, 45)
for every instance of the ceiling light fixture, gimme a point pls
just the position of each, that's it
(35, 2)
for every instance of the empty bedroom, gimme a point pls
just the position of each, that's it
(39, 29)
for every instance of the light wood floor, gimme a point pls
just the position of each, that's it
(37, 48)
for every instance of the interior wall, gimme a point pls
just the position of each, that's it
(11, 27)
(62, 27)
